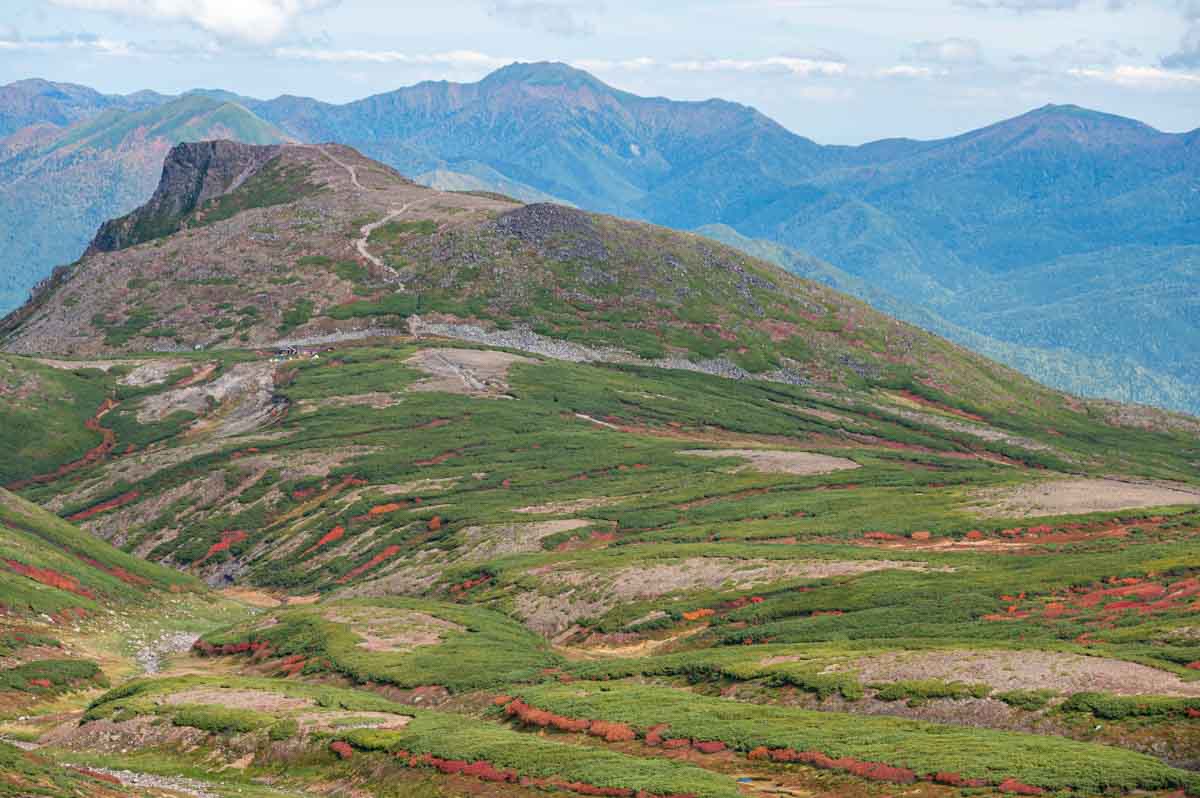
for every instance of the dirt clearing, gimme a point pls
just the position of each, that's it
(1078, 496)
(393, 631)
(713, 573)
(258, 700)
(1014, 670)
(496, 540)
(245, 396)
(342, 720)
(474, 372)
(776, 461)
(572, 506)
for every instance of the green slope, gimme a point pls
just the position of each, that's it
(51, 566)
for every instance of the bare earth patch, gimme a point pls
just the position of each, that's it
(244, 396)
(342, 720)
(1078, 496)
(376, 400)
(593, 593)
(465, 371)
(572, 506)
(1012, 670)
(495, 540)
(639, 582)
(778, 461)
(418, 486)
(154, 372)
(258, 700)
(389, 630)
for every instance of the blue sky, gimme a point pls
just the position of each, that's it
(836, 72)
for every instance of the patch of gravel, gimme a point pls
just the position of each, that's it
(497, 540)
(258, 700)
(393, 630)
(526, 340)
(780, 461)
(552, 615)
(149, 781)
(588, 594)
(1078, 496)
(651, 581)
(464, 371)
(571, 506)
(154, 372)
(1014, 670)
(246, 393)
(153, 655)
(338, 337)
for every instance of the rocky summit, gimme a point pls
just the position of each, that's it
(318, 481)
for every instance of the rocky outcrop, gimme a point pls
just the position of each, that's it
(193, 173)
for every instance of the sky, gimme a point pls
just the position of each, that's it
(835, 72)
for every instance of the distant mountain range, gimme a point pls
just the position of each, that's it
(1065, 242)
(58, 184)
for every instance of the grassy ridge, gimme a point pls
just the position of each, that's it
(923, 747)
(451, 737)
(490, 650)
(73, 569)
(43, 411)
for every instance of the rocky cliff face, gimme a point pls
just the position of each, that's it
(193, 173)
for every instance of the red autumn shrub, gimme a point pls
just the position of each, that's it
(389, 552)
(611, 732)
(574, 725)
(331, 536)
(342, 749)
(881, 536)
(50, 577)
(695, 615)
(111, 504)
(1019, 788)
(654, 735)
(709, 746)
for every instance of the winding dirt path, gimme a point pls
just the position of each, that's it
(364, 236)
(365, 231)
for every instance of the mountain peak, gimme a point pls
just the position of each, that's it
(543, 73)
(193, 173)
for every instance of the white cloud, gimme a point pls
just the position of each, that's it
(605, 65)
(453, 58)
(257, 21)
(909, 71)
(562, 18)
(11, 41)
(1026, 5)
(1139, 77)
(789, 65)
(953, 50)
(803, 67)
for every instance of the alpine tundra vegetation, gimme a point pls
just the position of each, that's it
(323, 482)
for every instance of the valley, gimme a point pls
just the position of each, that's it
(322, 482)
